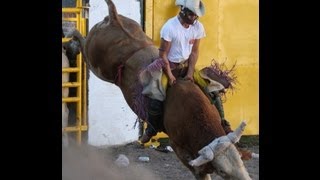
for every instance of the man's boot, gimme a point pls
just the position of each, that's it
(216, 99)
(154, 120)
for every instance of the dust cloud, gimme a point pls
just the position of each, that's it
(86, 163)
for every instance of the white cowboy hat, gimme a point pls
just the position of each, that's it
(195, 6)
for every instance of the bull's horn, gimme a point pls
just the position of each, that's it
(206, 155)
(236, 135)
(113, 14)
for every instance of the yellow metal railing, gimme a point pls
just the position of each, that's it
(77, 14)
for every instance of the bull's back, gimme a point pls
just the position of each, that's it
(190, 118)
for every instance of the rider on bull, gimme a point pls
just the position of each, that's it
(179, 49)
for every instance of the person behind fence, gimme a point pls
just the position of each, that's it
(179, 50)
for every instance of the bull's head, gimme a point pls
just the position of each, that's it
(224, 156)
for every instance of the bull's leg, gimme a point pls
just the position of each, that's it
(185, 157)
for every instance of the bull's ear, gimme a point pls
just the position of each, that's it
(236, 135)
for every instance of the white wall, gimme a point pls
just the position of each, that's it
(111, 120)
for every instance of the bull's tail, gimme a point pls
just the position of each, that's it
(115, 20)
(113, 14)
(78, 37)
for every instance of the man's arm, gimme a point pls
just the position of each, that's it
(193, 60)
(163, 53)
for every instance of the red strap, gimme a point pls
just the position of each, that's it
(119, 74)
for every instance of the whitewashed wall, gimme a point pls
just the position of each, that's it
(111, 120)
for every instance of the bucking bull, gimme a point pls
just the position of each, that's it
(116, 50)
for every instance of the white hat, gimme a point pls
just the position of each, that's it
(195, 6)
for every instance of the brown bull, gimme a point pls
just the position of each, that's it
(194, 129)
(116, 50)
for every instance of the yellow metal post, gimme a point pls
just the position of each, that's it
(80, 70)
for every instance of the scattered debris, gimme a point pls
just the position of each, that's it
(152, 146)
(165, 149)
(144, 158)
(169, 148)
(122, 161)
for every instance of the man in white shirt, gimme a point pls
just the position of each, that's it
(179, 49)
(180, 39)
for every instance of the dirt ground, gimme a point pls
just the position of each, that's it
(86, 163)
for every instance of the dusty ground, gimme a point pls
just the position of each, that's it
(85, 163)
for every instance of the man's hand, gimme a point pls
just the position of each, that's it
(188, 78)
(172, 80)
